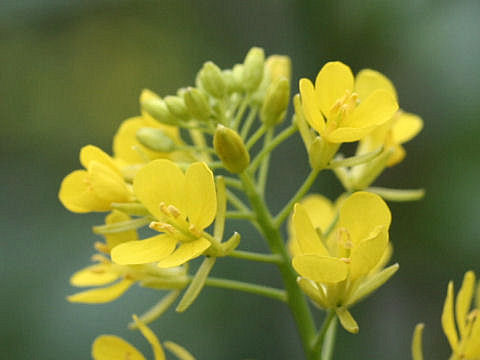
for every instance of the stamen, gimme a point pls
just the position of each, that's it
(173, 211)
(101, 247)
(162, 227)
(194, 230)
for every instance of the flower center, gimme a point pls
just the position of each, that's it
(175, 224)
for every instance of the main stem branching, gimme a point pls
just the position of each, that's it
(295, 298)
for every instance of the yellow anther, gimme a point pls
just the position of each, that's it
(344, 105)
(162, 227)
(164, 208)
(346, 260)
(194, 230)
(173, 211)
(100, 258)
(101, 247)
(343, 238)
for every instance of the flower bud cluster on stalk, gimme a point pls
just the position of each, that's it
(194, 160)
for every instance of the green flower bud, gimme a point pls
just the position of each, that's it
(253, 67)
(197, 103)
(276, 102)
(230, 149)
(237, 71)
(211, 80)
(278, 66)
(155, 139)
(177, 107)
(154, 106)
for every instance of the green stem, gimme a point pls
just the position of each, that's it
(307, 184)
(329, 342)
(296, 300)
(285, 134)
(319, 340)
(263, 173)
(240, 215)
(235, 183)
(248, 122)
(255, 137)
(267, 291)
(235, 201)
(240, 112)
(246, 255)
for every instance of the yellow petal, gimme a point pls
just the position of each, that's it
(307, 238)
(91, 153)
(120, 237)
(464, 300)
(347, 320)
(362, 213)
(126, 146)
(448, 321)
(101, 295)
(417, 353)
(77, 195)
(107, 184)
(472, 348)
(151, 338)
(375, 110)
(367, 81)
(405, 127)
(331, 84)
(397, 156)
(323, 269)
(110, 347)
(201, 195)
(94, 275)
(185, 252)
(160, 181)
(320, 210)
(366, 254)
(348, 134)
(310, 106)
(145, 251)
(179, 351)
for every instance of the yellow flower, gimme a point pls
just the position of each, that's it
(111, 347)
(342, 266)
(465, 342)
(184, 205)
(401, 128)
(109, 281)
(95, 188)
(334, 109)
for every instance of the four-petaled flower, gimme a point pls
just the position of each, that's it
(339, 268)
(465, 343)
(97, 187)
(334, 109)
(184, 205)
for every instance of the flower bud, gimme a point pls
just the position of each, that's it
(211, 80)
(177, 107)
(230, 149)
(253, 67)
(197, 103)
(155, 139)
(276, 102)
(279, 66)
(154, 106)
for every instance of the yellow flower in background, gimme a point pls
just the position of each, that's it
(334, 109)
(184, 205)
(96, 187)
(108, 281)
(401, 128)
(111, 347)
(343, 266)
(465, 342)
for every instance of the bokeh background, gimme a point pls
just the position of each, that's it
(71, 71)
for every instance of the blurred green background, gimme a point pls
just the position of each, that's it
(72, 71)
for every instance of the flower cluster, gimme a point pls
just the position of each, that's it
(192, 160)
